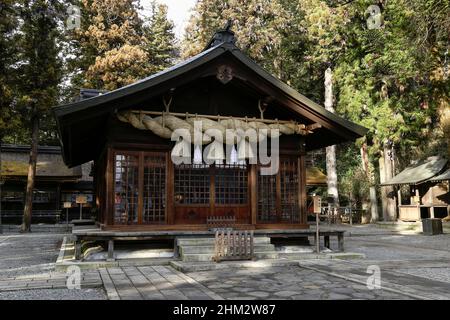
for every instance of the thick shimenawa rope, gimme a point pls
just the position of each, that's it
(228, 130)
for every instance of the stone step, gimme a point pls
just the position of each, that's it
(263, 247)
(210, 241)
(205, 257)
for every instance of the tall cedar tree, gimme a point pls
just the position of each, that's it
(8, 58)
(39, 78)
(113, 48)
(8, 118)
(160, 43)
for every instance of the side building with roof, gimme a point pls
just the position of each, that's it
(55, 184)
(423, 189)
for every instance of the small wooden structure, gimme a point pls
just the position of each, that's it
(233, 245)
(138, 187)
(428, 183)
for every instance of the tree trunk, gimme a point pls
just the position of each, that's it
(387, 192)
(331, 151)
(26, 224)
(373, 203)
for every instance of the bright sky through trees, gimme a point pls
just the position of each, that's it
(179, 12)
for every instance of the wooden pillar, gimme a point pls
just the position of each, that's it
(212, 190)
(140, 203)
(278, 192)
(109, 192)
(170, 183)
(302, 188)
(253, 193)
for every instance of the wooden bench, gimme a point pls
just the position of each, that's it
(326, 238)
(326, 234)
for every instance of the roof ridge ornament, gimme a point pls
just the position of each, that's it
(225, 35)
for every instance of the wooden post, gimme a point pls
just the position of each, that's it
(317, 234)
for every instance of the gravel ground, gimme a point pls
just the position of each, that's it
(32, 253)
(401, 247)
(54, 294)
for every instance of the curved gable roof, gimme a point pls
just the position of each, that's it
(108, 102)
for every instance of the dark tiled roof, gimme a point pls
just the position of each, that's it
(418, 173)
(14, 163)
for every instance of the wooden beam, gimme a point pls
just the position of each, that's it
(311, 127)
(224, 117)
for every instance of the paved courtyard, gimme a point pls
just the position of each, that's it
(412, 267)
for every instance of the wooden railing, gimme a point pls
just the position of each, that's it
(233, 245)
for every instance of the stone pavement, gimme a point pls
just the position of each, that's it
(286, 283)
(153, 283)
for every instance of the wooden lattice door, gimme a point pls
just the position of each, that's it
(140, 180)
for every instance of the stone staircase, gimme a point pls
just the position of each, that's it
(202, 249)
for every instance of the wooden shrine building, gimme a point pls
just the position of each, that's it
(427, 190)
(126, 132)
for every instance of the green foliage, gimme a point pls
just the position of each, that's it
(160, 38)
(8, 23)
(114, 48)
(392, 80)
(385, 83)
(38, 71)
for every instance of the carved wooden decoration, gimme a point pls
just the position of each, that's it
(224, 74)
